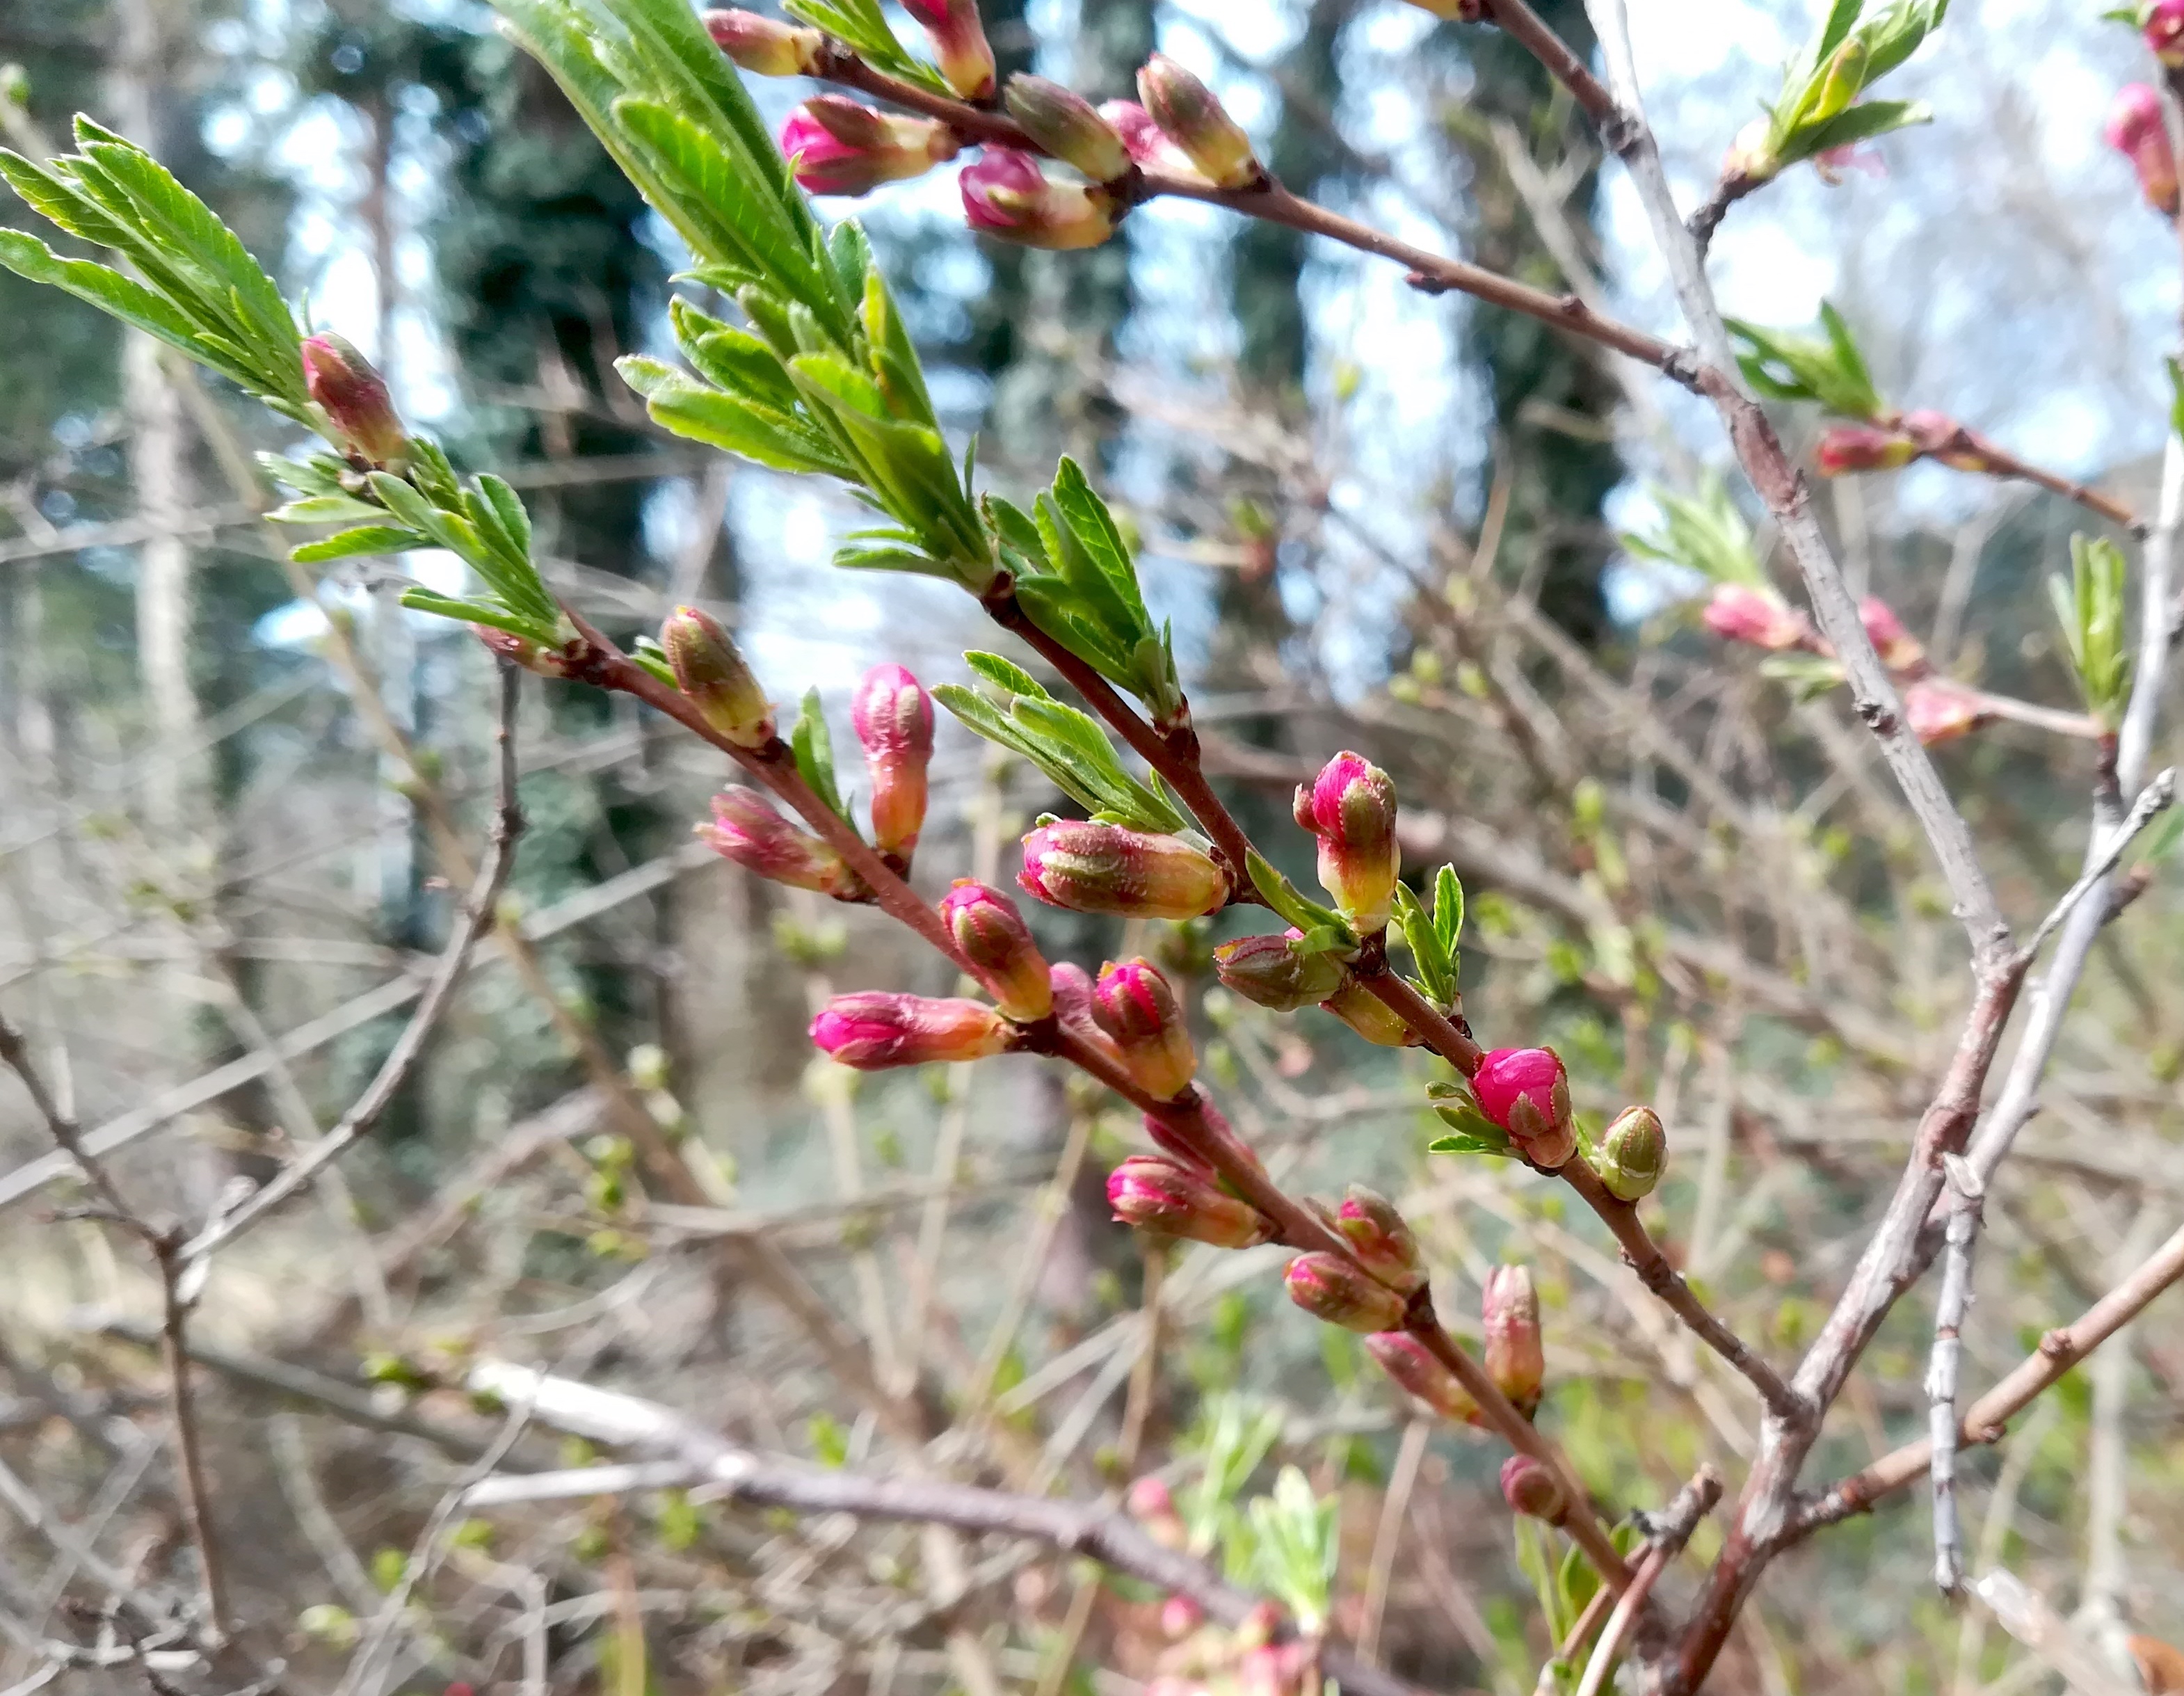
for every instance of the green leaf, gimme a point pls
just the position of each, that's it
(814, 749)
(1827, 368)
(779, 439)
(1291, 903)
(365, 539)
(2091, 611)
(1703, 534)
(1011, 678)
(1415, 925)
(478, 612)
(1448, 909)
(324, 509)
(1861, 123)
(120, 297)
(1069, 746)
(1807, 677)
(737, 218)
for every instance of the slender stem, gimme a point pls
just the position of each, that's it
(1657, 1275)
(1523, 24)
(1441, 1034)
(189, 1453)
(1999, 462)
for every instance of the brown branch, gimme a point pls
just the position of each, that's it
(1988, 1418)
(1091, 1530)
(1523, 25)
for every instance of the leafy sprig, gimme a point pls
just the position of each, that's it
(1821, 108)
(1431, 933)
(1703, 533)
(2090, 609)
(1827, 368)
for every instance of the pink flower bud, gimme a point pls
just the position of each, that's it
(1007, 194)
(747, 830)
(1145, 143)
(2164, 30)
(1279, 1669)
(765, 47)
(1109, 868)
(1862, 448)
(1132, 1003)
(355, 398)
(1939, 712)
(1267, 969)
(1740, 613)
(1899, 650)
(1190, 116)
(1071, 986)
(1351, 807)
(1516, 1358)
(841, 147)
(1830, 164)
(1370, 1016)
(1526, 1093)
(2138, 130)
(1065, 124)
(959, 43)
(1149, 1501)
(710, 671)
(893, 721)
(1179, 1617)
(1418, 1369)
(1381, 1240)
(1530, 1489)
(994, 941)
(1332, 1287)
(1159, 1195)
(876, 1029)
(1632, 1155)
(521, 651)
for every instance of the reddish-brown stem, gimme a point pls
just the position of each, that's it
(1957, 445)
(1522, 24)
(1734, 185)
(1172, 751)
(1441, 1032)
(1644, 1257)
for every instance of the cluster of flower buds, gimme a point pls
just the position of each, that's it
(1516, 1358)
(1109, 869)
(1631, 1155)
(2138, 129)
(1178, 1200)
(766, 47)
(1334, 1288)
(1886, 443)
(1379, 1238)
(997, 945)
(893, 722)
(1007, 193)
(1417, 1369)
(877, 1030)
(355, 398)
(838, 146)
(1133, 1005)
(1526, 1093)
(1531, 1488)
(745, 828)
(710, 670)
(1738, 612)
(1351, 807)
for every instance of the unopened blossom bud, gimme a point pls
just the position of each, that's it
(1132, 1003)
(959, 43)
(1334, 1288)
(2164, 30)
(1267, 969)
(1145, 143)
(1109, 869)
(1380, 1239)
(1189, 115)
(765, 47)
(1939, 711)
(994, 942)
(1370, 1016)
(1526, 1093)
(355, 398)
(1419, 1370)
(893, 721)
(710, 670)
(876, 1029)
(2138, 130)
(1899, 650)
(746, 830)
(1068, 127)
(1179, 1616)
(1532, 1489)
(1862, 448)
(1162, 1196)
(841, 147)
(1289, 1668)
(1351, 807)
(1007, 194)
(1071, 986)
(1740, 613)
(521, 651)
(1516, 1359)
(1632, 1154)
(1751, 157)
(1148, 1501)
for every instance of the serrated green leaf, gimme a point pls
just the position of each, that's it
(814, 749)
(121, 298)
(1861, 123)
(1703, 534)
(1287, 900)
(365, 538)
(324, 509)
(780, 440)
(478, 612)
(1005, 675)
(737, 218)
(1448, 909)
